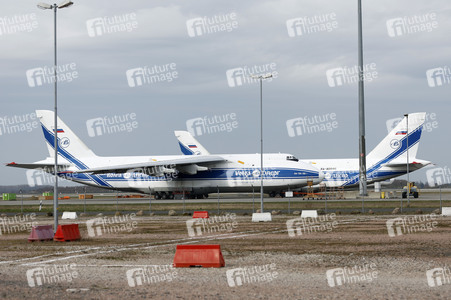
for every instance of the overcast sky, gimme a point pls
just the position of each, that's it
(106, 45)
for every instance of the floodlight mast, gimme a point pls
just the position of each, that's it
(260, 78)
(362, 143)
(44, 6)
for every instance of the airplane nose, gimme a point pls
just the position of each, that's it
(321, 175)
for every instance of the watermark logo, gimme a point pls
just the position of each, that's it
(151, 75)
(411, 224)
(18, 23)
(45, 176)
(111, 225)
(140, 177)
(312, 124)
(438, 176)
(45, 75)
(112, 24)
(438, 276)
(111, 124)
(212, 124)
(356, 274)
(215, 224)
(209, 25)
(311, 24)
(348, 75)
(18, 123)
(17, 224)
(251, 275)
(430, 122)
(246, 75)
(438, 76)
(299, 226)
(51, 275)
(408, 25)
(148, 275)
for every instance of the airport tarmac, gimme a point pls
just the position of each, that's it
(276, 265)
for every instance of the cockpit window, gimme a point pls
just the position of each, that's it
(292, 158)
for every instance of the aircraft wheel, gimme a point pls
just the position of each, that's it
(164, 196)
(272, 194)
(157, 196)
(171, 196)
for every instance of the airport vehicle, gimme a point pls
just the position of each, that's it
(387, 160)
(164, 175)
(412, 189)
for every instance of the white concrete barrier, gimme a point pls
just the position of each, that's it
(261, 217)
(446, 211)
(309, 214)
(69, 215)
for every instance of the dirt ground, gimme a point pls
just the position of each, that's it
(337, 257)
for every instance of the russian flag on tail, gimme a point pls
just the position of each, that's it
(192, 146)
(402, 132)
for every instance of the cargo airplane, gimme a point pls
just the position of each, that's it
(164, 175)
(387, 160)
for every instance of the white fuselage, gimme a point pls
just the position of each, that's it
(238, 173)
(345, 172)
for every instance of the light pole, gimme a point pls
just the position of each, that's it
(407, 152)
(362, 143)
(55, 6)
(261, 77)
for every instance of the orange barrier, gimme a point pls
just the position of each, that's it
(131, 196)
(67, 233)
(41, 233)
(82, 196)
(200, 214)
(64, 198)
(207, 256)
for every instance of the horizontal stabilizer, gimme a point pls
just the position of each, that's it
(49, 167)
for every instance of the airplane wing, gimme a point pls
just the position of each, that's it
(189, 165)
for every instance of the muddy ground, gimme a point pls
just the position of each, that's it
(341, 257)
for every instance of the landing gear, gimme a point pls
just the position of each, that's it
(164, 195)
(198, 196)
(272, 194)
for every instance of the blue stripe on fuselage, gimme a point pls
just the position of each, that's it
(215, 174)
